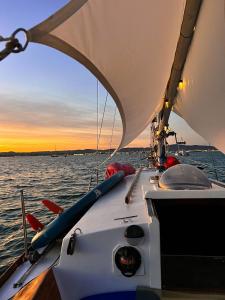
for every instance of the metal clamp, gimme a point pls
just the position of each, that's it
(13, 37)
(12, 43)
(72, 242)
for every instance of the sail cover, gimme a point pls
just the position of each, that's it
(128, 45)
(202, 100)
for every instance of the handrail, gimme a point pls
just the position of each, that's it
(219, 183)
(128, 196)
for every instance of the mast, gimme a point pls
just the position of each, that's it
(161, 131)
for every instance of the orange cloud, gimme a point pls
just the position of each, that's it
(41, 125)
(29, 124)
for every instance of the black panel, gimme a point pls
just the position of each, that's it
(192, 234)
(192, 226)
(193, 272)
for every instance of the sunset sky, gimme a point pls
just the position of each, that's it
(48, 100)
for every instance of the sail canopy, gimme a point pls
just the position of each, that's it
(128, 45)
(201, 101)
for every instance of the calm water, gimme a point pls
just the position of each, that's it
(64, 180)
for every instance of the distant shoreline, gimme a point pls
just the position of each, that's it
(92, 151)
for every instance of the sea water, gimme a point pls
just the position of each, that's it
(63, 180)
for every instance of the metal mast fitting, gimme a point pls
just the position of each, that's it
(12, 44)
(190, 17)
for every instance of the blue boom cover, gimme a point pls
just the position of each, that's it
(65, 221)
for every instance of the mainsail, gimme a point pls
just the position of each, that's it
(128, 45)
(201, 102)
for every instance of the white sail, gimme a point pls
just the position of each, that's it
(201, 102)
(128, 45)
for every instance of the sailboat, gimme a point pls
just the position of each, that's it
(158, 233)
(54, 154)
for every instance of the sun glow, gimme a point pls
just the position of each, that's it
(13, 138)
(21, 139)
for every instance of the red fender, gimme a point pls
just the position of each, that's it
(34, 222)
(171, 161)
(52, 206)
(116, 167)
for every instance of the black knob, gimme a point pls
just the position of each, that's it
(134, 234)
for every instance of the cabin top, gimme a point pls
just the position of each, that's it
(111, 211)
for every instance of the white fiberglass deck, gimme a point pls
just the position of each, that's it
(102, 234)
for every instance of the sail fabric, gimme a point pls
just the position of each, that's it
(128, 45)
(201, 102)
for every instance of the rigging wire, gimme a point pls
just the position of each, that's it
(103, 115)
(113, 126)
(114, 152)
(97, 137)
(99, 131)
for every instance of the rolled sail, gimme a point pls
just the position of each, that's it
(128, 45)
(201, 102)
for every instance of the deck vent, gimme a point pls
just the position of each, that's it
(184, 177)
(134, 234)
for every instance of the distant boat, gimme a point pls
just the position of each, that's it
(181, 153)
(54, 154)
